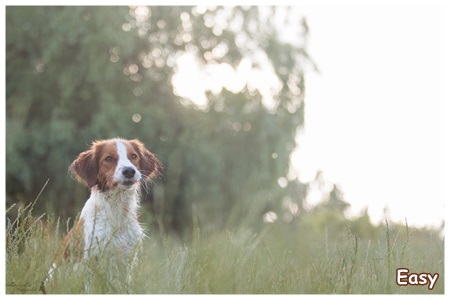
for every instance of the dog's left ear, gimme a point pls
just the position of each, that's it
(150, 166)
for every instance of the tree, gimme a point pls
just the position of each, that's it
(75, 74)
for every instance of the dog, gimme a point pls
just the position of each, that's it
(108, 226)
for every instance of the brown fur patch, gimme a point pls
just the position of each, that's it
(73, 245)
(149, 165)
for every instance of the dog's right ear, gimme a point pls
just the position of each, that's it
(85, 168)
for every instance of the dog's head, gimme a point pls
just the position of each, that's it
(115, 163)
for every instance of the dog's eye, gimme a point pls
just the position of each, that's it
(109, 159)
(133, 156)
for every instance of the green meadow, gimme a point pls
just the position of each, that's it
(276, 258)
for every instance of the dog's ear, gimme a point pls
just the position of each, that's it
(85, 168)
(150, 166)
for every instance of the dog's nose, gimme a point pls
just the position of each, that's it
(128, 172)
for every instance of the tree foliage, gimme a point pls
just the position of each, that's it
(76, 74)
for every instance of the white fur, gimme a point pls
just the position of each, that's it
(110, 223)
(123, 162)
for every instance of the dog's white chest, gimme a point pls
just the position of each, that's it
(111, 226)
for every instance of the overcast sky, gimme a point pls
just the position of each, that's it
(375, 113)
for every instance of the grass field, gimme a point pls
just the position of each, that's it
(276, 259)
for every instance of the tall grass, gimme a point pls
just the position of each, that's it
(277, 259)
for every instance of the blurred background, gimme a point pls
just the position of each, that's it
(219, 95)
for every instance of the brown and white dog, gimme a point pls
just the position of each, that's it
(108, 223)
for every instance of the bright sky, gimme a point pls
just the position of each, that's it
(375, 114)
